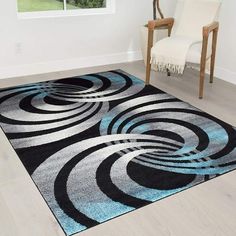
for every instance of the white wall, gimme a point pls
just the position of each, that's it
(226, 53)
(51, 44)
(75, 38)
(48, 44)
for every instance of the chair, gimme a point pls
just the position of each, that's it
(198, 53)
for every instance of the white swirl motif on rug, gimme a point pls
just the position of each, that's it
(51, 111)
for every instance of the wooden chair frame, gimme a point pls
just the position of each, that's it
(206, 31)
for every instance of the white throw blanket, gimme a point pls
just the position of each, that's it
(171, 53)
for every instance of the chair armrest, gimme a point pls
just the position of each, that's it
(168, 22)
(214, 26)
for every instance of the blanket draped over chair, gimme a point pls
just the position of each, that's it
(170, 53)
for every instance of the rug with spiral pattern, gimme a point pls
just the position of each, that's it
(101, 145)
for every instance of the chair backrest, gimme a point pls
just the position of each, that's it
(192, 15)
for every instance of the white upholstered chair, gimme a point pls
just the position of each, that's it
(198, 53)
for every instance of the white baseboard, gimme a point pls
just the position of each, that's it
(68, 64)
(225, 74)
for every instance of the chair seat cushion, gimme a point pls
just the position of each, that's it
(194, 53)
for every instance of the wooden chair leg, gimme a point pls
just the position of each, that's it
(203, 66)
(148, 72)
(213, 55)
(149, 46)
(201, 84)
(212, 69)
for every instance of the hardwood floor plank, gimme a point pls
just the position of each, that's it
(24, 212)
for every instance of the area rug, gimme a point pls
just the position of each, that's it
(101, 145)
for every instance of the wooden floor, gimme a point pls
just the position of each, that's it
(205, 210)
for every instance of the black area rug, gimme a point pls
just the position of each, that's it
(101, 145)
